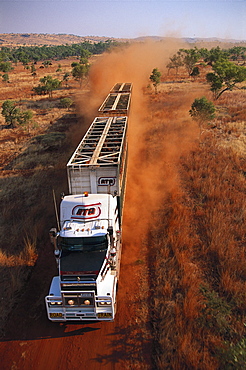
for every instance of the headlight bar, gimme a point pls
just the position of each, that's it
(55, 303)
(104, 301)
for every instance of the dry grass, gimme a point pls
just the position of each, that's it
(46, 112)
(28, 213)
(231, 121)
(194, 252)
(31, 166)
(196, 246)
(14, 270)
(27, 257)
(30, 169)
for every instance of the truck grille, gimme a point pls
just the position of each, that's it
(78, 287)
(85, 299)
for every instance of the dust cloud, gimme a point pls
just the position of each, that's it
(157, 136)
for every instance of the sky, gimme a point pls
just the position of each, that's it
(126, 18)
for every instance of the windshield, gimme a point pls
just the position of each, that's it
(93, 243)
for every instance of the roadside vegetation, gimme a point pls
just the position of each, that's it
(196, 258)
(197, 267)
(193, 297)
(38, 122)
(26, 184)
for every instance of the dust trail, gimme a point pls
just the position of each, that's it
(158, 136)
(129, 64)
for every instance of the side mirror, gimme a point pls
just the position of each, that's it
(57, 253)
(53, 236)
(110, 230)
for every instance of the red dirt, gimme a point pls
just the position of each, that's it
(33, 342)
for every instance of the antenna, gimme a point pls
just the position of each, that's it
(56, 212)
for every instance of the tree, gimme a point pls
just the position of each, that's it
(155, 77)
(10, 113)
(225, 77)
(5, 77)
(47, 63)
(204, 53)
(237, 52)
(25, 62)
(33, 69)
(195, 72)
(175, 62)
(40, 90)
(6, 67)
(65, 78)
(190, 57)
(83, 61)
(74, 64)
(202, 111)
(84, 54)
(25, 117)
(47, 86)
(214, 55)
(27, 54)
(79, 71)
(14, 115)
(66, 102)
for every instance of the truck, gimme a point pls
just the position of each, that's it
(117, 101)
(87, 242)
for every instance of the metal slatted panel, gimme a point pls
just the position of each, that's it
(102, 144)
(122, 87)
(116, 103)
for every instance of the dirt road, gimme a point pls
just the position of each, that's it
(33, 342)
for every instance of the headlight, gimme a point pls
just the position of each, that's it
(70, 302)
(104, 303)
(54, 303)
(87, 302)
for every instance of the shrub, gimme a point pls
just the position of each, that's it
(51, 141)
(233, 356)
(202, 110)
(66, 102)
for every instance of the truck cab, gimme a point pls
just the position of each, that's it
(88, 250)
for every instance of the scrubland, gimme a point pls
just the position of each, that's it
(195, 247)
(32, 162)
(189, 208)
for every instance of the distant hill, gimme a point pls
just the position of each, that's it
(38, 39)
(194, 40)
